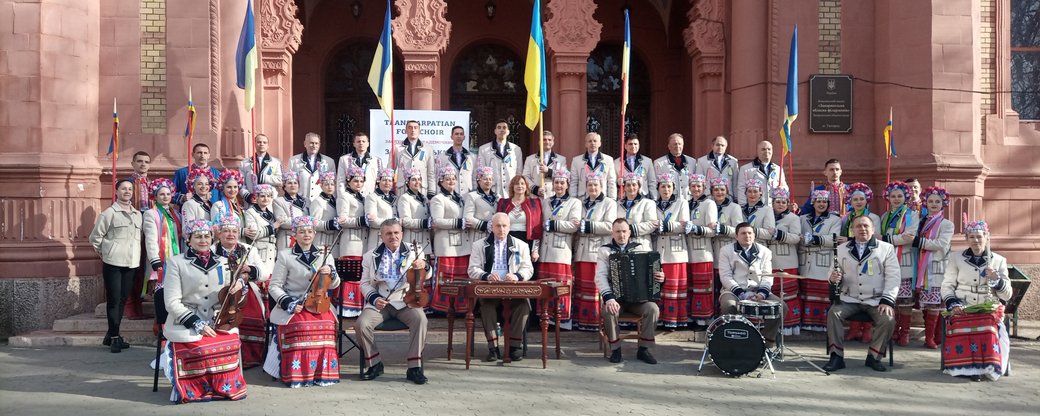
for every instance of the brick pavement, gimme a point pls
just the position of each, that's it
(89, 381)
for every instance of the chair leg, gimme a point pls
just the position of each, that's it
(891, 353)
(158, 353)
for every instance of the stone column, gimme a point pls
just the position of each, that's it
(280, 36)
(421, 32)
(50, 194)
(571, 33)
(706, 44)
(749, 74)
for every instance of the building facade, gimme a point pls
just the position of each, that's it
(961, 78)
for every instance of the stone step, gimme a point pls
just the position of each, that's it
(87, 322)
(147, 307)
(50, 338)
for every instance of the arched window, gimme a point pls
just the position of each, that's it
(488, 81)
(348, 97)
(1025, 58)
(604, 96)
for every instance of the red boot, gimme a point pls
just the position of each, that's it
(855, 331)
(931, 322)
(902, 333)
(868, 330)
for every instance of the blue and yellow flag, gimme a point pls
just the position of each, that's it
(791, 104)
(113, 143)
(189, 128)
(534, 71)
(890, 141)
(626, 59)
(381, 74)
(245, 58)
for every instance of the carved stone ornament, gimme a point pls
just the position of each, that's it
(426, 68)
(422, 25)
(570, 26)
(279, 27)
(705, 33)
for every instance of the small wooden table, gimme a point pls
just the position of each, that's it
(476, 290)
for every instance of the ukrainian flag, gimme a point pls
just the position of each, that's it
(189, 128)
(245, 57)
(113, 142)
(791, 104)
(890, 142)
(626, 59)
(534, 71)
(380, 75)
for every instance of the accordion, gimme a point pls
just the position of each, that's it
(631, 276)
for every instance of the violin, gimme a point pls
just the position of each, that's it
(230, 315)
(318, 301)
(416, 297)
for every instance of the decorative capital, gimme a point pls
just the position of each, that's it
(705, 34)
(279, 27)
(422, 25)
(570, 26)
(274, 64)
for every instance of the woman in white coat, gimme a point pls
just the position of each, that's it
(704, 216)
(380, 205)
(235, 255)
(932, 247)
(229, 201)
(116, 237)
(452, 244)
(756, 212)
(562, 216)
(819, 232)
(480, 204)
(638, 210)
(670, 241)
(783, 242)
(199, 206)
(899, 228)
(351, 206)
(327, 221)
(262, 227)
(414, 210)
(597, 213)
(162, 239)
(289, 206)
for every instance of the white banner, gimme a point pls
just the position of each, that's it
(434, 129)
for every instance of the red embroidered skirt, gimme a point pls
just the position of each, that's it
(208, 369)
(251, 331)
(353, 300)
(816, 301)
(558, 272)
(308, 350)
(586, 297)
(701, 291)
(450, 268)
(793, 317)
(972, 344)
(674, 305)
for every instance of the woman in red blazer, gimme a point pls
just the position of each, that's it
(525, 214)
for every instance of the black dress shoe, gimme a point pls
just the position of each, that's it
(874, 363)
(516, 354)
(493, 355)
(373, 372)
(644, 355)
(836, 363)
(123, 344)
(615, 356)
(415, 375)
(116, 345)
(107, 341)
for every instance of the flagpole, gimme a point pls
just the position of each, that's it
(115, 146)
(541, 148)
(191, 131)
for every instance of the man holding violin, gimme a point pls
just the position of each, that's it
(305, 353)
(387, 273)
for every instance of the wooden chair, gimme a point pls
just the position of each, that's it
(623, 317)
(862, 316)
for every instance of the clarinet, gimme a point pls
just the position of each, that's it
(835, 292)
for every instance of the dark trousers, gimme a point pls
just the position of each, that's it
(118, 282)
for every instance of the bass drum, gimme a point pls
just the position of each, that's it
(735, 345)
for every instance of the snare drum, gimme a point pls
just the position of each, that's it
(735, 345)
(762, 309)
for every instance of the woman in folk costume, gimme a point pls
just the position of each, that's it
(525, 214)
(236, 255)
(819, 234)
(729, 215)
(162, 239)
(262, 224)
(380, 205)
(480, 204)
(783, 242)
(303, 350)
(351, 205)
(562, 215)
(704, 216)
(899, 228)
(597, 213)
(858, 200)
(201, 362)
(116, 237)
(670, 241)
(327, 221)
(975, 286)
(289, 206)
(229, 202)
(932, 246)
(756, 212)
(452, 244)
(199, 206)
(638, 210)
(414, 210)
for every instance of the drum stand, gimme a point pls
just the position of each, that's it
(778, 351)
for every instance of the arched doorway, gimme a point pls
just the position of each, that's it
(488, 81)
(348, 97)
(604, 96)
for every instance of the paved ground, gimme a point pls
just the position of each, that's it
(90, 380)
